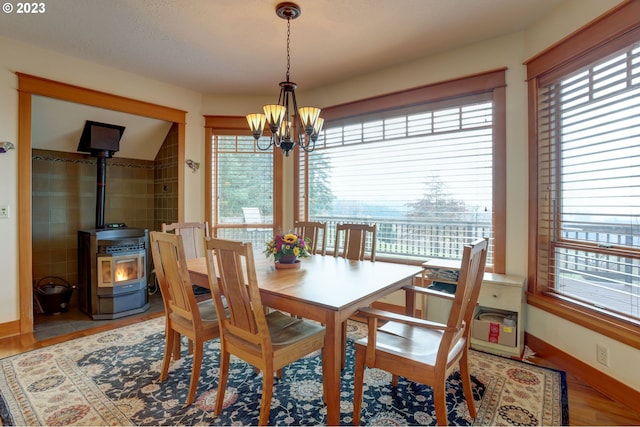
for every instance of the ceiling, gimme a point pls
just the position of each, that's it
(239, 46)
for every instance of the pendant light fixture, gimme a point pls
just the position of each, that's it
(285, 120)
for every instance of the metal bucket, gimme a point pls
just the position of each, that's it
(53, 294)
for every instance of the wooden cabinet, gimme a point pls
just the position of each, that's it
(499, 293)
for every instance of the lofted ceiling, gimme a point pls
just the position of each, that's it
(239, 46)
(57, 126)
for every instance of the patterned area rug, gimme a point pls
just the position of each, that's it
(111, 378)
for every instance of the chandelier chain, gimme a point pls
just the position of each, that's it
(288, 47)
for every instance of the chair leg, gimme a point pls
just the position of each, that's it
(176, 347)
(358, 381)
(168, 350)
(440, 403)
(222, 381)
(176, 344)
(466, 384)
(198, 349)
(267, 393)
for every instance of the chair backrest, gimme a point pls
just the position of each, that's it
(232, 273)
(193, 235)
(314, 231)
(354, 241)
(474, 258)
(172, 274)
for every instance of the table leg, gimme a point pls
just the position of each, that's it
(332, 364)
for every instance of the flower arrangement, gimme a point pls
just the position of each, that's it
(290, 245)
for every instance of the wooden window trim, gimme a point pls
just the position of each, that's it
(237, 125)
(464, 86)
(604, 35)
(493, 82)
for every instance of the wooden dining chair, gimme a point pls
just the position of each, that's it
(184, 316)
(270, 341)
(193, 235)
(355, 238)
(421, 350)
(316, 232)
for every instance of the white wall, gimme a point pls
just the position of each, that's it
(581, 343)
(19, 57)
(8, 195)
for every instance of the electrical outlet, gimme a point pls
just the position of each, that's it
(4, 211)
(602, 355)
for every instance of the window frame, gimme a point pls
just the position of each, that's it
(493, 82)
(605, 35)
(236, 125)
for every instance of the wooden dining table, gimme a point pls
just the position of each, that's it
(328, 290)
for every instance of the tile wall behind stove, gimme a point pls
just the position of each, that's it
(64, 201)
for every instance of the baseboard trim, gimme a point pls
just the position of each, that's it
(9, 329)
(605, 384)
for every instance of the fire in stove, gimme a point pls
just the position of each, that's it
(115, 271)
(126, 270)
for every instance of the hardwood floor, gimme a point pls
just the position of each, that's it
(587, 406)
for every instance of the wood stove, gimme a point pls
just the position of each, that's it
(113, 272)
(113, 260)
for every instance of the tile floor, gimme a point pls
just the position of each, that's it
(52, 325)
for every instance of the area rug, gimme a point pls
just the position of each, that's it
(111, 378)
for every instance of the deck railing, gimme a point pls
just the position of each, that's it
(396, 238)
(612, 280)
(415, 238)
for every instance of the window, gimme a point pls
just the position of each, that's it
(241, 183)
(587, 171)
(423, 173)
(589, 168)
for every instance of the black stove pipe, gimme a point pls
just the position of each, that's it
(101, 184)
(100, 140)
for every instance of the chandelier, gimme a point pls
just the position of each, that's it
(285, 120)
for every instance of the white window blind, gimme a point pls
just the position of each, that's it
(424, 177)
(589, 184)
(243, 189)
